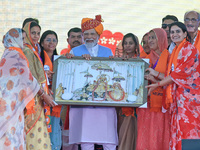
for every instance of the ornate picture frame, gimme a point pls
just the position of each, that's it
(100, 81)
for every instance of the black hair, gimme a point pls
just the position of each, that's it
(135, 39)
(171, 17)
(30, 20)
(183, 28)
(146, 34)
(34, 24)
(44, 35)
(76, 29)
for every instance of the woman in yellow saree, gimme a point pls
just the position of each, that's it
(35, 125)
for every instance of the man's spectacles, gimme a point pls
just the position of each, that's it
(164, 26)
(193, 20)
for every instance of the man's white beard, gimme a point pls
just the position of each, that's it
(89, 44)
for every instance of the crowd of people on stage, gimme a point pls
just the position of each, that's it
(30, 118)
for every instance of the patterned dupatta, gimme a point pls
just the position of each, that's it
(184, 70)
(173, 60)
(31, 52)
(17, 85)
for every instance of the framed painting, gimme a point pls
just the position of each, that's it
(100, 81)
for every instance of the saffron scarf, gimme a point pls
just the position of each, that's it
(39, 73)
(162, 44)
(56, 109)
(157, 94)
(197, 41)
(177, 70)
(159, 63)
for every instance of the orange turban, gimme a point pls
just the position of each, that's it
(89, 23)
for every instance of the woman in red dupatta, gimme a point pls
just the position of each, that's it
(183, 90)
(153, 125)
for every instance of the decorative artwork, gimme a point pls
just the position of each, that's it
(110, 40)
(99, 81)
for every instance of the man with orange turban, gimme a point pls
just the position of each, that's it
(92, 125)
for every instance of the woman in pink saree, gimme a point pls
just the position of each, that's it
(17, 89)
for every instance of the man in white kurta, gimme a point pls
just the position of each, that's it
(92, 125)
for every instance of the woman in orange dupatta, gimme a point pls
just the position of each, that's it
(146, 49)
(153, 125)
(127, 120)
(36, 129)
(48, 43)
(183, 90)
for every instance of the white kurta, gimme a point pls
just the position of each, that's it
(93, 124)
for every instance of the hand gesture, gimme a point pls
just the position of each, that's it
(49, 74)
(68, 55)
(151, 87)
(125, 57)
(152, 72)
(111, 57)
(87, 56)
(150, 78)
(48, 100)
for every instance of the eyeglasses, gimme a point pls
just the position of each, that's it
(53, 40)
(193, 20)
(164, 26)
